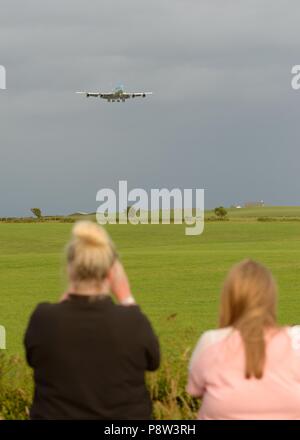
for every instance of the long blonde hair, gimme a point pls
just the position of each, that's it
(248, 303)
(90, 253)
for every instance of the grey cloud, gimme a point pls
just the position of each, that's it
(223, 115)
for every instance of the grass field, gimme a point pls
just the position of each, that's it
(262, 211)
(175, 278)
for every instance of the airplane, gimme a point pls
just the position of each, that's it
(118, 94)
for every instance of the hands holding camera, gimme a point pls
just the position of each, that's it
(116, 283)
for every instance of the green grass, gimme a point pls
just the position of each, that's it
(175, 278)
(261, 211)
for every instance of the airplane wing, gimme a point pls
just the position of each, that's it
(96, 94)
(113, 96)
(137, 94)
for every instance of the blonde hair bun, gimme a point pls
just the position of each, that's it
(90, 233)
(90, 253)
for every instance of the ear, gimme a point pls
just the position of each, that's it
(109, 278)
(110, 274)
(112, 271)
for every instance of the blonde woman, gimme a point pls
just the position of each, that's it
(250, 367)
(89, 354)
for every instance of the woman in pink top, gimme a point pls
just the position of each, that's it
(250, 367)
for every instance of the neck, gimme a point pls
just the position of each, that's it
(88, 288)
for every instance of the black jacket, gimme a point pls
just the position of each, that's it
(89, 358)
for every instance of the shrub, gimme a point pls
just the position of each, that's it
(167, 391)
(278, 219)
(67, 220)
(166, 387)
(15, 388)
(220, 212)
(216, 219)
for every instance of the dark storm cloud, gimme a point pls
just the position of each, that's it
(223, 115)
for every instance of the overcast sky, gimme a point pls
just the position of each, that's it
(223, 115)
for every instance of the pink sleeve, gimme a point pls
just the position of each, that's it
(196, 376)
(294, 335)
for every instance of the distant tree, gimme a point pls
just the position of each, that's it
(37, 212)
(220, 212)
(131, 212)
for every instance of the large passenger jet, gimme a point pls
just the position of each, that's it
(118, 94)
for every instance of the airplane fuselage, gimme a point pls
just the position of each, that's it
(118, 94)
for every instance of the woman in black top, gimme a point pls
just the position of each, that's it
(89, 355)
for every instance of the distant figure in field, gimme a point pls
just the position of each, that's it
(250, 367)
(89, 355)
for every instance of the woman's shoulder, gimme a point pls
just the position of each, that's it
(210, 338)
(133, 318)
(293, 333)
(41, 307)
(130, 312)
(216, 335)
(293, 330)
(40, 310)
